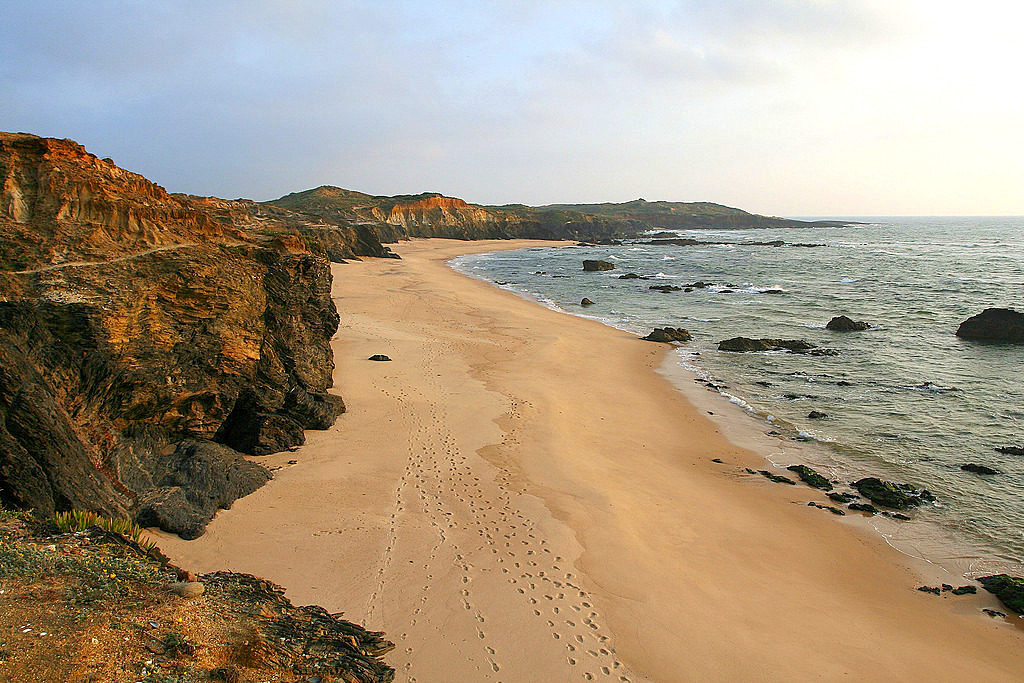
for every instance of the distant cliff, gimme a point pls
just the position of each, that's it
(147, 338)
(434, 215)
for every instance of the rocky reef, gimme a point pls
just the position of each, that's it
(148, 339)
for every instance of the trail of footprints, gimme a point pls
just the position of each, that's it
(435, 468)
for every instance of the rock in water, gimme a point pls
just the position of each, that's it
(591, 266)
(747, 345)
(1003, 325)
(379, 357)
(1009, 590)
(632, 276)
(665, 289)
(816, 415)
(978, 469)
(810, 477)
(586, 302)
(668, 334)
(1011, 450)
(841, 323)
(891, 495)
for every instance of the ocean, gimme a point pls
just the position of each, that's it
(906, 400)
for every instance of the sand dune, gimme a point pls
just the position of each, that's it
(519, 496)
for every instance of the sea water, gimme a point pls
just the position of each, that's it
(906, 400)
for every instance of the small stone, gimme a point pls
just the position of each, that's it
(191, 589)
(379, 356)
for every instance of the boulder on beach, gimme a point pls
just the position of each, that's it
(1001, 325)
(378, 357)
(891, 495)
(586, 302)
(595, 265)
(810, 477)
(841, 323)
(668, 334)
(1009, 590)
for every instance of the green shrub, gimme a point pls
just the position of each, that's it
(80, 520)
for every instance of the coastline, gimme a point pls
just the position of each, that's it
(516, 491)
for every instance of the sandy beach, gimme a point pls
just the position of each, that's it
(519, 495)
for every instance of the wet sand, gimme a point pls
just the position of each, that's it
(519, 495)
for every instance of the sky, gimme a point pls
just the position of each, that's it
(784, 107)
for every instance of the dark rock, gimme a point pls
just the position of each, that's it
(1001, 325)
(1009, 590)
(586, 302)
(896, 515)
(1011, 450)
(668, 334)
(978, 469)
(718, 460)
(833, 510)
(595, 265)
(378, 357)
(665, 289)
(892, 495)
(778, 479)
(841, 323)
(934, 590)
(200, 478)
(842, 497)
(699, 285)
(810, 477)
(965, 590)
(946, 588)
(746, 345)
(725, 291)
(763, 383)
(632, 276)
(772, 291)
(844, 383)
(863, 507)
(688, 289)
(993, 613)
(815, 415)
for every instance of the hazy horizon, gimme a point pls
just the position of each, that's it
(788, 108)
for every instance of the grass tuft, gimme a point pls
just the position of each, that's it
(80, 520)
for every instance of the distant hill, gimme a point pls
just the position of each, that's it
(434, 215)
(681, 215)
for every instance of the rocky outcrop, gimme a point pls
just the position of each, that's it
(891, 495)
(137, 327)
(810, 477)
(841, 323)
(668, 334)
(596, 265)
(978, 469)
(999, 325)
(748, 345)
(1009, 590)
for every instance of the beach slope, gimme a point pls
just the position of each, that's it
(518, 495)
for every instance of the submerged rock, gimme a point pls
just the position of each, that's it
(1011, 450)
(841, 323)
(892, 495)
(665, 289)
(777, 478)
(1001, 325)
(668, 334)
(979, 469)
(586, 302)
(595, 265)
(816, 415)
(748, 345)
(632, 276)
(864, 507)
(1009, 590)
(993, 613)
(810, 477)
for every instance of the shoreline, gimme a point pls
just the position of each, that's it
(941, 554)
(543, 505)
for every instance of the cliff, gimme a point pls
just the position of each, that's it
(434, 215)
(148, 339)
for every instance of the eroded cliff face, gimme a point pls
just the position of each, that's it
(146, 339)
